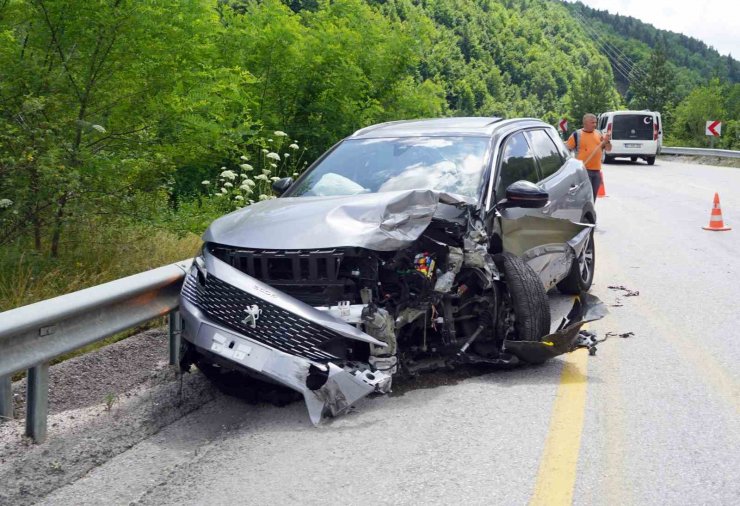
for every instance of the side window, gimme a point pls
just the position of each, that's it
(546, 152)
(559, 144)
(517, 163)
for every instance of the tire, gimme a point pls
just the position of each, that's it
(608, 159)
(526, 298)
(633, 159)
(650, 160)
(581, 274)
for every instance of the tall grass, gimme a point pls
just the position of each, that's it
(92, 255)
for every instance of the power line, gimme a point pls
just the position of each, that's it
(621, 62)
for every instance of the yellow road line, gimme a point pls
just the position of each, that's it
(557, 474)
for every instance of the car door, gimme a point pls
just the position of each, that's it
(561, 176)
(537, 235)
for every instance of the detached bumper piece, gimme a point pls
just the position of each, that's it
(275, 336)
(586, 308)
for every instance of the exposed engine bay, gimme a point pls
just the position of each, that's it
(339, 322)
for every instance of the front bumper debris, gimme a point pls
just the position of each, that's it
(275, 336)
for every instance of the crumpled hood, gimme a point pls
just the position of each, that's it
(378, 221)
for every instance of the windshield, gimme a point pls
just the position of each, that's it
(633, 126)
(448, 164)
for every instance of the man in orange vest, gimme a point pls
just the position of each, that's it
(588, 144)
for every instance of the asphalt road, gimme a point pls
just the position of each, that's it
(651, 419)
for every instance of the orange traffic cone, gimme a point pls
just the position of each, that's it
(715, 219)
(602, 189)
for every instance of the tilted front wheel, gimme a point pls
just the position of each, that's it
(526, 309)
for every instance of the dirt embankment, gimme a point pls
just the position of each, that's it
(101, 404)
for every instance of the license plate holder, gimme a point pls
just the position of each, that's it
(632, 145)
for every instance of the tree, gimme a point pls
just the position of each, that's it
(653, 82)
(593, 92)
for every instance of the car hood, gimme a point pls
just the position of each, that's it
(378, 221)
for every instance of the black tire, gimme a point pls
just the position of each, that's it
(526, 297)
(608, 159)
(650, 160)
(581, 274)
(633, 159)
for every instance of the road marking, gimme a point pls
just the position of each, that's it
(557, 474)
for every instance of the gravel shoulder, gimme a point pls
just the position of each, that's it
(101, 404)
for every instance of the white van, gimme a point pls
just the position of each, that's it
(635, 134)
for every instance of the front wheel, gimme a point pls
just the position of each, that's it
(581, 274)
(633, 159)
(525, 309)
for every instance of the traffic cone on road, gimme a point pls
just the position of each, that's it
(602, 189)
(715, 219)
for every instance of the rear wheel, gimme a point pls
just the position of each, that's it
(633, 159)
(650, 160)
(581, 274)
(608, 159)
(525, 309)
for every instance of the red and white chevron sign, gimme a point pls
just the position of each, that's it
(563, 125)
(714, 128)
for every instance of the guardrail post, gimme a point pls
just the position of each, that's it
(175, 331)
(37, 402)
(6, 398)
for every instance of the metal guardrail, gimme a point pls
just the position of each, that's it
(31, 336)
(722, 153)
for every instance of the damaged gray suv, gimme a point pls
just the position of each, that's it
(409, 246)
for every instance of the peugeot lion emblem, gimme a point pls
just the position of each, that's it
(253, 314)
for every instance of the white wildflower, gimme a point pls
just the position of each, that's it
(238, 197)
(295, 174)
(261, 177)
(249, 183)
(229, 174)
(270, 140)
(219, 194)
(228, 185)
(246, 166)
(205, 183)
(273, 165)
(224, 190)
(286, 155)
(246, 159)
(275, 178)
(251, 201)
(4, 203)
(264, 150)
(280, 133)
(99, 128)
(266, 172)
(293, 146)
(273, 156)
(264, 197)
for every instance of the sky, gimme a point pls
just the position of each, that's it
(714, 22)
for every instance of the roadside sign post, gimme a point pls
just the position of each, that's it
(713, 129)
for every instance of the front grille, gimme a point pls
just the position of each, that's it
(285, 331)
(311, 276)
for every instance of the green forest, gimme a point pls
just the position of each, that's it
(126, 126)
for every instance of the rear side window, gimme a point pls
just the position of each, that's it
(633, 127)
(546, 152)
(517, 163)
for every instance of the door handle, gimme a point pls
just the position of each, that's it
(574, 189)
(546, 207)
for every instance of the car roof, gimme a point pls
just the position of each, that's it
(644, 111)
(466, 126)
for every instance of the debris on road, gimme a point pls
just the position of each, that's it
(628, 292)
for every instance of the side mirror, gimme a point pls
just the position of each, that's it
(524, 194)
(281, 185)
